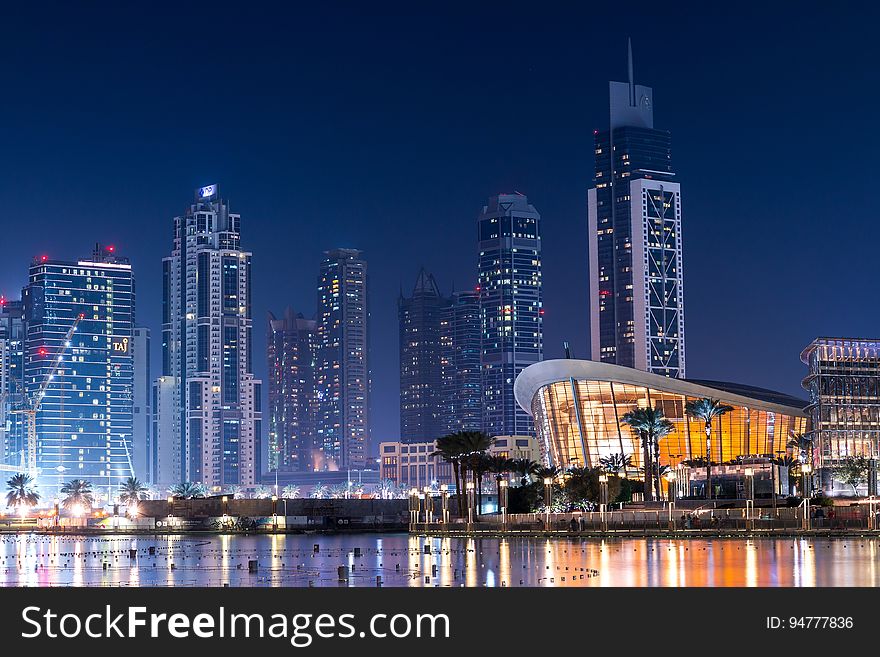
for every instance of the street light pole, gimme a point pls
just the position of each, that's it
(502, 503)
(548, 497)
(444, 502)
(750, 501)
(469, 487)
(603, 499)
(806, 472)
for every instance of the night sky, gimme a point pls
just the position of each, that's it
(386, 129)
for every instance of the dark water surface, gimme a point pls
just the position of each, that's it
(400, 560)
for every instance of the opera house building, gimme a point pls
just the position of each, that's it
(578, 405)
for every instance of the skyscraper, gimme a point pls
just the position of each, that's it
(461, 387)
(214, 416)
(420, 376)
(291, 352)
(84, 424)
(634, 227)
(11, 380)
(343, 375)
(511, 313)
(143, 451)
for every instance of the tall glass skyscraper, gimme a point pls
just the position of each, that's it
(634, 225)
(214, 415)
(420, 377)
(84, 424)
(291, 353)
(511, 313)
(11, 381)
(343, 374)
(461, 385)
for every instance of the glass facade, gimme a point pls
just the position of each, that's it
(84, 424)
(636, 281)
(578, 415)
(844, 387)
(511, 312)
(461, 391)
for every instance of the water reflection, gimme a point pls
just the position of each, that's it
(419, 561)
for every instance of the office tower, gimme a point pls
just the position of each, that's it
(844, 386)
(461, 388)
(342, 374)
(634, 228)
(420, 363)
(291, 347)
(168, 454)
(84, 423)
(11, 381)
(214, 414)
(143, 451)
(511, 314)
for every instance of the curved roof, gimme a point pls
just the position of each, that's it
(536, 376)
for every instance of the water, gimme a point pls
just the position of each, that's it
(400, 560)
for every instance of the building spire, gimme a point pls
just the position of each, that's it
(629, 62)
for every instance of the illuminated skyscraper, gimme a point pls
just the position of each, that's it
(143, 450)
(84, 423)
(213, 416)
(291, 351)
(511, 313)
(461, 386)
(11, 380)
(420, 376)
(634, 227)
(342, 369)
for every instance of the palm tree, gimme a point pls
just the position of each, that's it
(542, 473)
(235, 491)
(78, 492)
(707, 410)
(21, 493)
(616, 463)
(262, 493)
(498, 465)
(133, 490)
(290, 492)
(525, 468)
(789, 463)
(320, 491)
(188, 490)
(651, 426)
(451, 449)
(337, 491)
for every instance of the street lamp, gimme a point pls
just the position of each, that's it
(429, 505)
(806, 470)
(413, 506)
(444, 501)
(603, 498)
(502, 502)
(671, 478)
(548, 497)
(750, 493)
(57, 512)
(170, 510)
(471, 500)
(274, 513)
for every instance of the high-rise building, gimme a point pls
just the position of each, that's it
(511, 313)
(343, 374)
(634, 227)
(461, 387)
(291, 352)
(844, 386)
(143, 451)
(84, 424)
(11, 381)
(420, 360)
(215, 412)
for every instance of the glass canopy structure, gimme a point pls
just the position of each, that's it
(577, 406)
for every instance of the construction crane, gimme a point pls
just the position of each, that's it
(30, 410)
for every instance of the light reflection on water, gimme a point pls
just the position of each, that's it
(402, 560)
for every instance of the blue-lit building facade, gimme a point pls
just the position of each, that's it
(511, 307)
(11, 382)
(84, 423)
(461, 384)
(342, 375)
(634, 231)
(207, 401)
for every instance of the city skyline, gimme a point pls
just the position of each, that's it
(749, 117)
